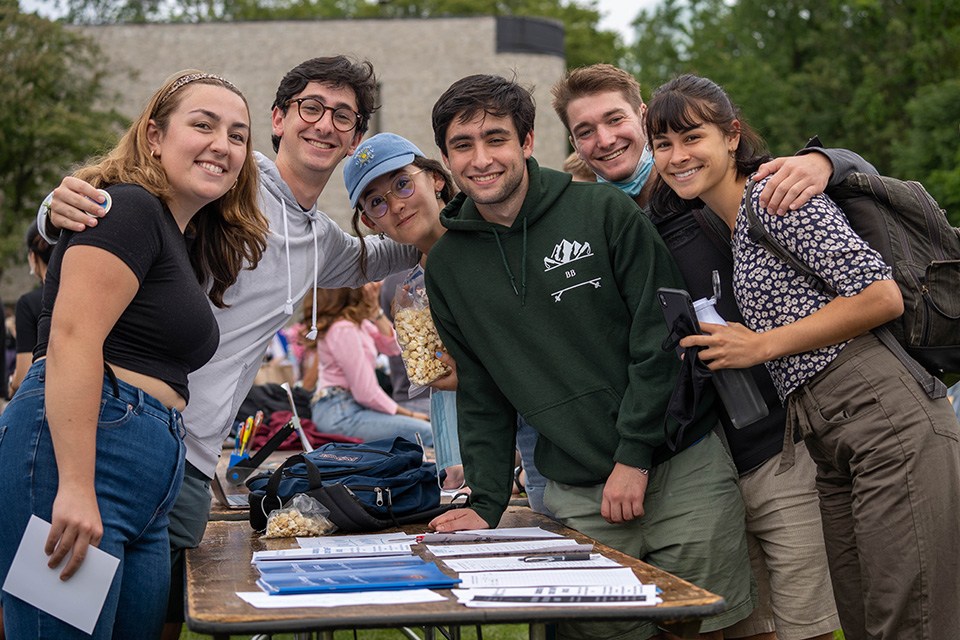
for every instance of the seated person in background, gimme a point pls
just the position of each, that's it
(349, 400)
(28, 306)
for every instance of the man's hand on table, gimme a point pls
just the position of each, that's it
(458, 520)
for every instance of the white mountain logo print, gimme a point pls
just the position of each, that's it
(563, 254)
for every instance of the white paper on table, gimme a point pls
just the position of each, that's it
(506, 533)
(642, 595)
(547, 578)
(77, 601)
(357, 541)
(315, 552)
(516, 563)
(505, 548)
(262, 600)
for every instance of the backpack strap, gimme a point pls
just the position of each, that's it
(711, 226)
(932, 385)
(759, 234)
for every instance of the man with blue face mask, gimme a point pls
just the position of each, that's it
(602, 109)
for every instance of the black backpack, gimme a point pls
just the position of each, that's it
(903, 223)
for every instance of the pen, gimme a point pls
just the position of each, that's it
(238, 438)
(561, 558)
(257, 421)
(247, 428)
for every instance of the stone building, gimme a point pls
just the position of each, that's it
(415, 60)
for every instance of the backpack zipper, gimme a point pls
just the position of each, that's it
(380, 492)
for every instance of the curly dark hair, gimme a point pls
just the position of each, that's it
(339, 71)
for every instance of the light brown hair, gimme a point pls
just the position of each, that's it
(586, 81)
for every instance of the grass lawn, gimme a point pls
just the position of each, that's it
(490, 632)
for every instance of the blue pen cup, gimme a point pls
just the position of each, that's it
(234, 459)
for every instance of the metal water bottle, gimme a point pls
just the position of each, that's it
(736, 387)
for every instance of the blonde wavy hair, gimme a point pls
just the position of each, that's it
(230, 232)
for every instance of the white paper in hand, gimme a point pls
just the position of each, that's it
(77, 601)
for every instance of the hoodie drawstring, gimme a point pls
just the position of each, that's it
(288, 305)
(523, 264)
(312, 334)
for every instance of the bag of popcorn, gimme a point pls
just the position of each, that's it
(417, 334)
(303, 517)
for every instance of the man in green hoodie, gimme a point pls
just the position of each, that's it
(545, 293)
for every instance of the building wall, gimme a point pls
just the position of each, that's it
(415, 60)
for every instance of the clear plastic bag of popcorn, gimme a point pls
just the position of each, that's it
(417, 334)
(302, 517)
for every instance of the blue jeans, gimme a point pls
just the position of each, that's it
(535, 484)
(338, 412)
(139, 467)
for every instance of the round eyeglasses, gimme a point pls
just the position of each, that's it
(403, 187)
(311, 110)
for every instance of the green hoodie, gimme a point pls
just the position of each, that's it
(556, 318)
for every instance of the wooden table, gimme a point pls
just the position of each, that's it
(221, 566)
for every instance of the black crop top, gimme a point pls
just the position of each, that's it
(168, 329)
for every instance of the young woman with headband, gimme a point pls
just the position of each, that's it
(93, 441)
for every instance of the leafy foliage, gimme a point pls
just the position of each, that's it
(875, 76)
(52, 82)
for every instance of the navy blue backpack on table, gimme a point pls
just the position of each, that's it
(366, 487)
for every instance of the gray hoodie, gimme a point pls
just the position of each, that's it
(305, 249)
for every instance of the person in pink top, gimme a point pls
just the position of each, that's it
(352, 330)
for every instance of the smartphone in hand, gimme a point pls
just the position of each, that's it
(680, 318)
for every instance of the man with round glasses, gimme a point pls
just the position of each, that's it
(305, 250)
(312, 110)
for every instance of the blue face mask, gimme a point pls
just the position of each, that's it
(634, 183)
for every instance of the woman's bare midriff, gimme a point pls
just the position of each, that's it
(157, 388)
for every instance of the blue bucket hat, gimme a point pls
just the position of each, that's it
(383, 153)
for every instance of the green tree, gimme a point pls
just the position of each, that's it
(52, 81)
(585, 42)
(931, 146)
(844, 69)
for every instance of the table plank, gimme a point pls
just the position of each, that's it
(221, 566)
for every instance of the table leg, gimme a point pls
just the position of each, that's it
(538, 631)
(685, 629)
